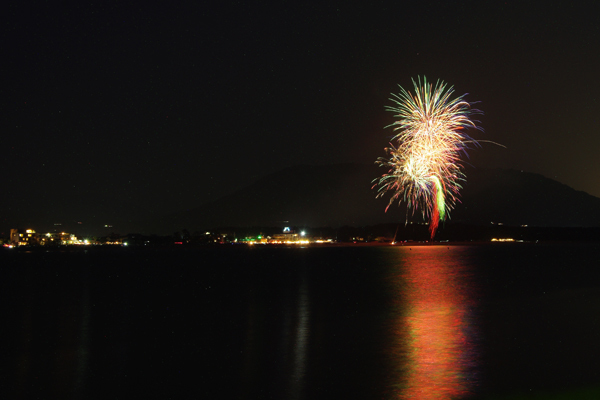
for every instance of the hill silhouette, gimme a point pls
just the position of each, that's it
(341, 195)
(523, 198)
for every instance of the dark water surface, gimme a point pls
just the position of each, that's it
(433, 322)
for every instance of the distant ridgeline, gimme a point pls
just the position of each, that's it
(341, 195)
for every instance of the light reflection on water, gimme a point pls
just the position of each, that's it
(434, 348)
(317, 323)
(275, 353)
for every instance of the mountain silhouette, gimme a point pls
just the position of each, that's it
(522, 198)
(342, 195)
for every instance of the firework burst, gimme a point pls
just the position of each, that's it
(424, 166)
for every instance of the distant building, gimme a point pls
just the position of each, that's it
(29, 237)
(289, 235)
(23, 237)
(56, 238)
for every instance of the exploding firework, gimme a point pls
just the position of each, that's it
(424, 166)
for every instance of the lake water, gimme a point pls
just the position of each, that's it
(505, 321)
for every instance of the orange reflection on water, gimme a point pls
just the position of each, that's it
(435, 352)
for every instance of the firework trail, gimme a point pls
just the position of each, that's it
(424, 166)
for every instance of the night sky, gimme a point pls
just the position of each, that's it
(120, 111)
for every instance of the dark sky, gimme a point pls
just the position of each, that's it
(116, 111)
